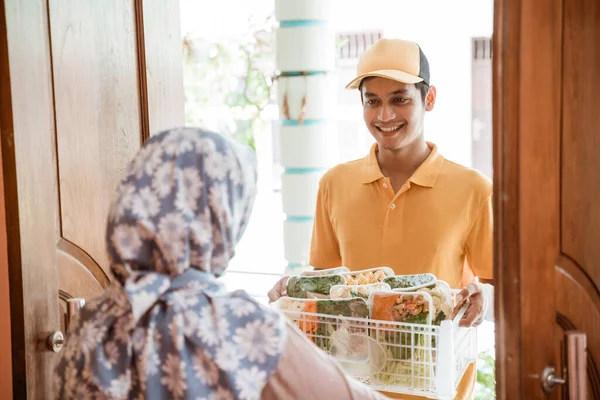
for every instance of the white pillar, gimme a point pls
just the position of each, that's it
(307, 105)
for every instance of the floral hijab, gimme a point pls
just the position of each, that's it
(166, 329)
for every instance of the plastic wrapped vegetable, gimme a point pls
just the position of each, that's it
(296, 310)
(319, 328)
(413, 282)
(413, 308)
(356, 308)
(312, 286)
(324, 272)
(349, 291)
(367, 276)
(407, 373)
(407, 308)
(441, 300)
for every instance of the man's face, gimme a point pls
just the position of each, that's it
(394, 112)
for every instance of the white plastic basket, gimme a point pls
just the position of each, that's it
(415, 359)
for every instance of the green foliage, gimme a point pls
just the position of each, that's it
(485, 388)
(228, 81)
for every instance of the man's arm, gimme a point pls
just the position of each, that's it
(324, 248)
(480, 242)
(479, 253)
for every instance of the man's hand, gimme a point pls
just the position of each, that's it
(278, 290)
(479, 299)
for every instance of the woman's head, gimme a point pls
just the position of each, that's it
(184, 203)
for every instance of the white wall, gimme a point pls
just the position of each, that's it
(220, 18)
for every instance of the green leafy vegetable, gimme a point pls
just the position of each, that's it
(420, 318)
(440, 316)
(356, 308)
(409, 281)
(299, 286)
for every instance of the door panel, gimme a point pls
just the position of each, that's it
(75, 109)
(547, 186)
(580, 167)
(78, 274)
(162, 39)
(578, 308)
(96, 111)
(578, 266)
(30, 193)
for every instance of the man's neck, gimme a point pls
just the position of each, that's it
(403, 162)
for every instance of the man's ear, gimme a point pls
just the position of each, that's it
(430, 99)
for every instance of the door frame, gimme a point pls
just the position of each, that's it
(6, 370)
(527, 80)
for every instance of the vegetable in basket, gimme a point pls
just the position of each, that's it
(324, 272)
(410, 281)
(320, 328)
(349, 291)
(296, 310)
(355, 308)
(408, 352)
(412, 308)
(441, 297)
(312, 286)
(367, 276)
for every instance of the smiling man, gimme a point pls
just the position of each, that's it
(404, 205)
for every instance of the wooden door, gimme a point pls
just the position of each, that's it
(547, 189)
(84, 82)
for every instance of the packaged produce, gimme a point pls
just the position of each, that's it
(320, 328)
(323, 272)
(413, 308)
(349, 291)
(441, 300)
(304, 287)
(372, 275)
(412, 282)
(296, 309)
(406, 348)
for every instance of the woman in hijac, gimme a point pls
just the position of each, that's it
(166, 328)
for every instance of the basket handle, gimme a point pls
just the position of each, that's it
(461, 313)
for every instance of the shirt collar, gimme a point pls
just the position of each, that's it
(425, 175)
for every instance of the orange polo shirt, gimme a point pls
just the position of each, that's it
(440, 222)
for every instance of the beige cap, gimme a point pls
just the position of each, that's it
(396, 59)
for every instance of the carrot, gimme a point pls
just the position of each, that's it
(310, 306)
(310, 323)
(383, 304)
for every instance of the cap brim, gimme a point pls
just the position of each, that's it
(395, 75)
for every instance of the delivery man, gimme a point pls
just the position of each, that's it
(404, 205)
